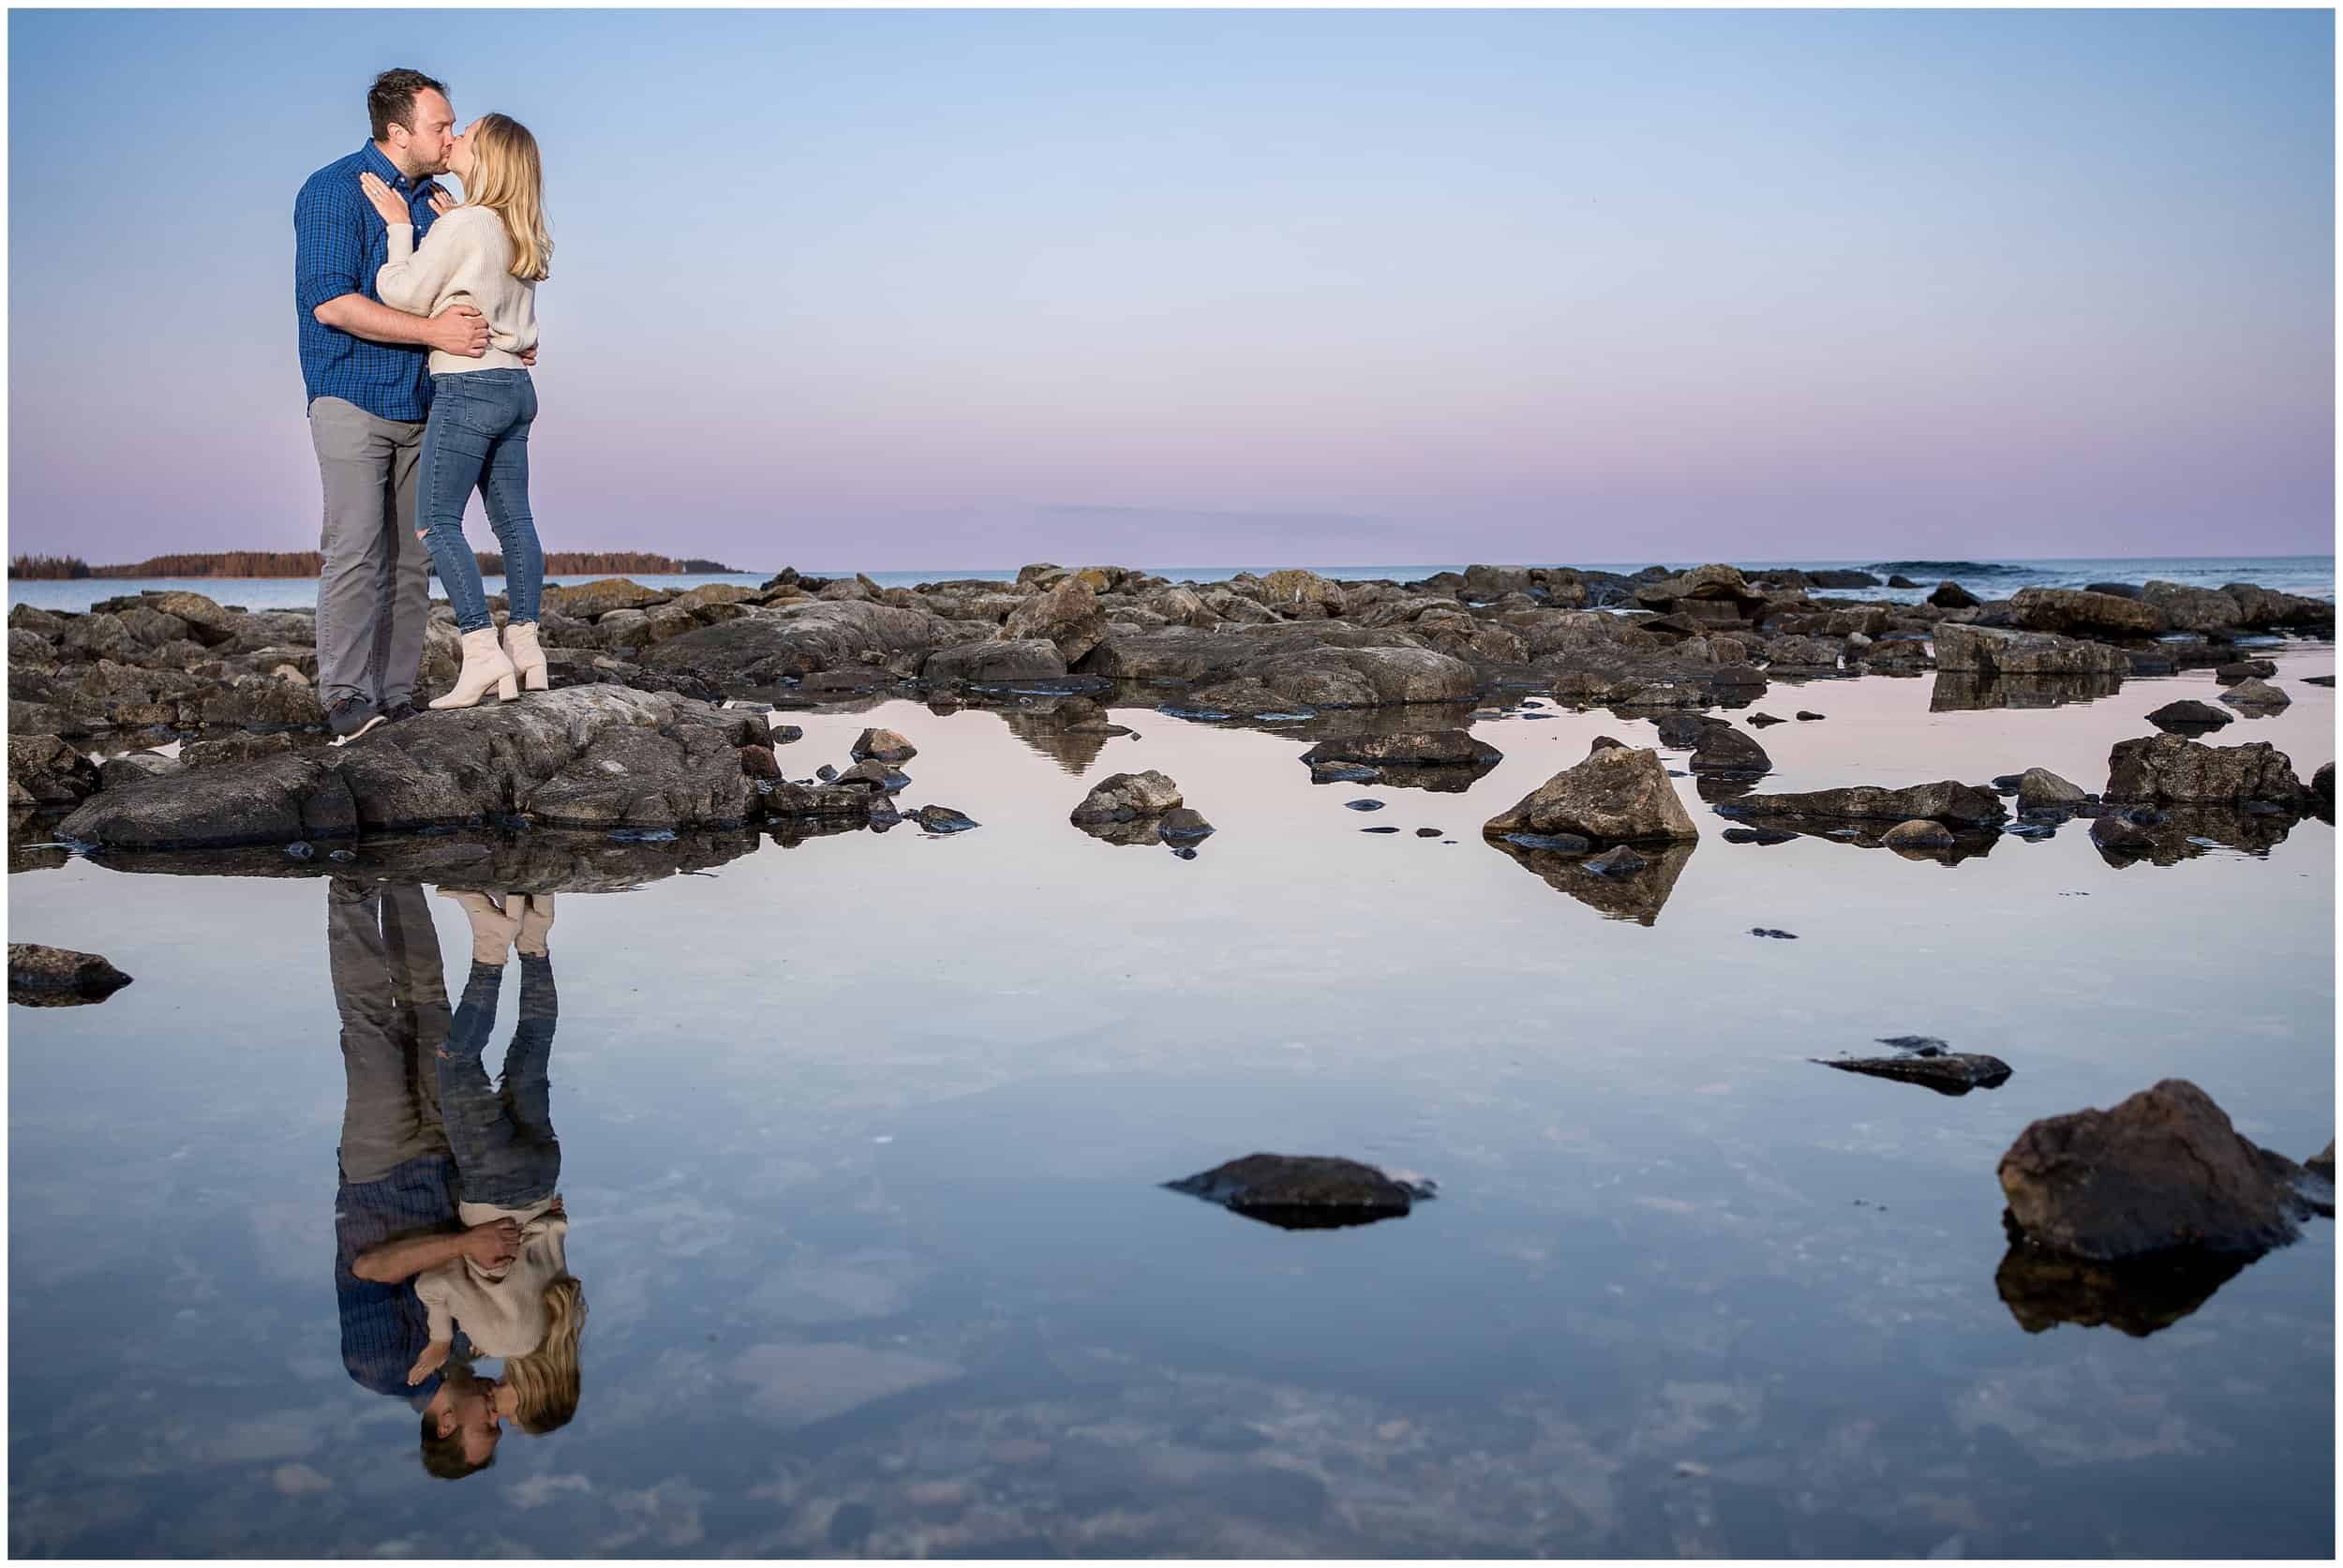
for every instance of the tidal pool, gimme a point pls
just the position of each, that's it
(860, 1141)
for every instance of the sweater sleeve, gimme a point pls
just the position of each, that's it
(411, 280)
(432, 1287)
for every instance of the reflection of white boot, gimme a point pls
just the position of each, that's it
(529, 659)
(484, 667)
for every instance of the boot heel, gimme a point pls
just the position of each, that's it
(507, 689)
(535, 678)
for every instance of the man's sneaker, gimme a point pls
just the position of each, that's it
(351, 718)
(399, 713)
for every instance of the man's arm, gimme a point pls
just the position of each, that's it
(458, 330)
(489, 1245)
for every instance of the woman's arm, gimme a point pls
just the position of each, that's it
(411, 278)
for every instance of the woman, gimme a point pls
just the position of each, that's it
(490, 253)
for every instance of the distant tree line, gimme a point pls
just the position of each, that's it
(306, 563)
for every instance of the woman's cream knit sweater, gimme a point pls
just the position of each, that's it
(467, 259)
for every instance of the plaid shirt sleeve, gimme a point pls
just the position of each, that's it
(329, 246)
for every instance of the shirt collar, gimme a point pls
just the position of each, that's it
(374, 159)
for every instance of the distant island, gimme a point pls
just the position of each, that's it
(306, 563)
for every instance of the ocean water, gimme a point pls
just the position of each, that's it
(2306, 575)
(861, 1138)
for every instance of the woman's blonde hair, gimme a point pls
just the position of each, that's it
(508, 179)
(545, 1381)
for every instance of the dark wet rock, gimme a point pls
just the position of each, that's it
(2166, 769)
(2162, 1170)
(1919, 836)
(1806, 716)
(42, 976)
(1183, 822)
(2245, 669)
(2322, 791)
(1427, 832)
(944, 820)
(1722, 749)
(1617, 794)
(1946, 1072)
(1947, 802)
(2078, 612)
(1759, 835)
(1435, 747)
(1640, 897)
(1759, 721)
(826, 773)
(44, 770)
(1305, 1191)
(1379, 829)
(1555, 844)
(874, 774)
(1617, 861)
(2041, 790)
(885, 745)
(2189, 717)
(1950, 595)
(1993, 649)
(1127, 797)
(1774, 932)
(2326, 680)
(602, 756)
(985, 663)
(2256, 694)
(134, 767)
(2119, 833)
(1898, 579)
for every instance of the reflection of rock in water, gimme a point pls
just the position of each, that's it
(1636, 896)
(2043, 1288)
(1967, 692)
(1714, 787)
(31, 846)
(1332, 724)
(1049, 735)
(544, 860)
(1967, 844)
(2167, 835)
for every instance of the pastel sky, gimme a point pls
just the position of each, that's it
(912, 290)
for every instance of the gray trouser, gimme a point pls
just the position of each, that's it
(374, 594)
(391, 994)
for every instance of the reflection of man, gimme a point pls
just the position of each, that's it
(394, 1212)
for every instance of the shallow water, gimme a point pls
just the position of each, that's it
(860, 1139)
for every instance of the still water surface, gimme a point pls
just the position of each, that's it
(859, 1139)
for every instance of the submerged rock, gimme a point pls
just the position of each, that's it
(1946, 1072)
(1618, 794)
(42, 976)
(2162, 1170)
(1298, 1193)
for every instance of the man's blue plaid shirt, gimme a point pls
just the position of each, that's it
(339, 243)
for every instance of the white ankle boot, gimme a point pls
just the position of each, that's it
(529, 659)
(485, 665)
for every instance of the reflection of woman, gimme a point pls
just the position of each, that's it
(528, 1309)
(489, 253)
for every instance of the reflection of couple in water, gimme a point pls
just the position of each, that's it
(449, 1227)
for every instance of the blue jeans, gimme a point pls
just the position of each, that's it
(505, 1150)
(478, 438)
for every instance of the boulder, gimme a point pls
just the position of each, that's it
(1722, 749)
(1423, 748)
(2162, 1170)
(587, 601)
(983, 663)
(2078, 612)
(586, 757)
(2255, 694)
(1993, 649)
(49, 771)
(1305, 1191)
(942, 819)
(885, 744)
(1066, 616)
(45, 971)
(2245, 669)
(262, 703)
(2192, 609)
(2189, 717)
(1127, 797)
(2041, 790)
(1713, 583)
(1950, 595)
(1947, 802)
(1919, 836)
(2169, 768)
(1300, 593)
(1364, 676)
(1617, 794)
(2322, 790)
(1183, 823)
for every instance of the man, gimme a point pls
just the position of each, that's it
(395, 1208)
(365, 368)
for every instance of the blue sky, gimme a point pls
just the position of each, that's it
(899, 290)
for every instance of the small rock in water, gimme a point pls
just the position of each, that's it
(2256, 694)
(942, 819)
(1344, 772)
(2117, 832)
(42, 975)
(826, 772)
(883, 813)
(1757, 835)
(1617, 861)
(885, 744)
(2189, 717)
(1185, 851)
(1427, 832)
(2245, 669)
(1806, 717)
(1777, 935)
(342, 855)
(1920, 836)
(2317, 680)
(299, 850)
(1379, 829)
(1759, 721)
(2041, 790)
(1946, 1072)
(1363, 805)
(1183, 822)
(1127, 797)
(1299, 1192)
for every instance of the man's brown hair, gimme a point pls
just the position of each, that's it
(390, 101)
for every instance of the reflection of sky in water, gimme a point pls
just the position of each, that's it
(860, 1137)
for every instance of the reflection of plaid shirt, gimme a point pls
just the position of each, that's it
(384, 1326)
(339, 244)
